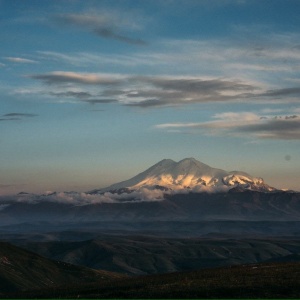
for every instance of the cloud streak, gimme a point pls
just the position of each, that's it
(244, 125)
(105, 25)
(20, 115)
(110, 34)
(286, 92)
(61, 77)
(164, 91)
(9, 119)
(73, 94)
(20, 60)
(16, 116)
(100, 101)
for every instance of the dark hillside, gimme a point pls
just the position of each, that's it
(23, 270)
(276, 280)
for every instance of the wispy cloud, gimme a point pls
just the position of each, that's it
(20, 115)
(132, 60)
(110, 34)
(82, 96)
(165, 91)
(61, 77)
(257, 59)
(235, 69)
(16, 116)
(101, 101)
(20, 60)
(219, 71)
(9, 119)
(74, 94)
(108, 25)
(244, 125)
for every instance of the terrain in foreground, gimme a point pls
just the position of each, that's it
(277, 280)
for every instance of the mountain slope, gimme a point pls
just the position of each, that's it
(23, 270)
(188, 174)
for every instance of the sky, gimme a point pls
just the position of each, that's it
(94, 92)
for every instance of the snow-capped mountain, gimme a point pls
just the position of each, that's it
(187, 190)
(188, 174)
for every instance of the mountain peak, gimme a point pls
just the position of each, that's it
(188, 159)
(189, 174)
(192, 161)
(165, 161)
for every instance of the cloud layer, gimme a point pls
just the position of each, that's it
(245, 125)
(157, 91)
(231, 70)
(73, 198)
(145, 91)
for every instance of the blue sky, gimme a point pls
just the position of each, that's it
(94, 92)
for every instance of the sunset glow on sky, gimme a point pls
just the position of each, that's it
(94, 92)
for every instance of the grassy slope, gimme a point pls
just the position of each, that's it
(278, 280)
(24, 270)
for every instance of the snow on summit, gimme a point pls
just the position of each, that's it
(188, 174)
(166, 177)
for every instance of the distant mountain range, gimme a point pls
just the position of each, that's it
(188, 174)
(168, 191)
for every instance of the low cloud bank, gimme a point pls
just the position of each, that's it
(74, 198)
